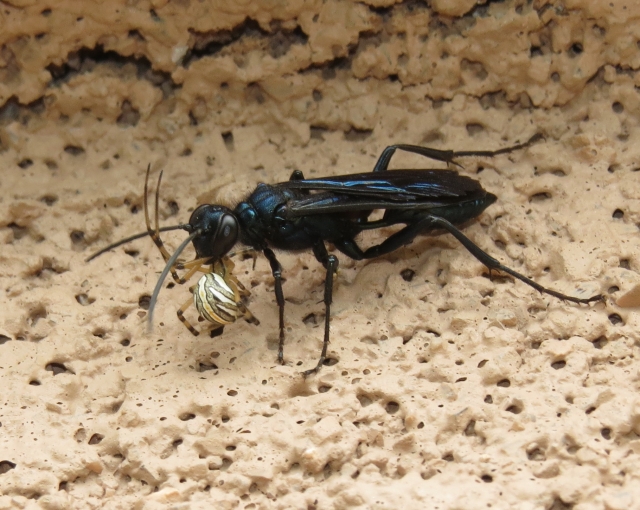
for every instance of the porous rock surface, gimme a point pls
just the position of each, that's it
(445, 389)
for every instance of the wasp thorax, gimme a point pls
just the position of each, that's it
(217, 300)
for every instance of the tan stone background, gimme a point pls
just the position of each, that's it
(450, 390)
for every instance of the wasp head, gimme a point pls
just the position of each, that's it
(218, 230)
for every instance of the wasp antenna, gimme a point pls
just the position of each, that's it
(163, 275)
(140, 235)
(534, 139)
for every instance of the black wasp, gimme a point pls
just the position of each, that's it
(303, 214)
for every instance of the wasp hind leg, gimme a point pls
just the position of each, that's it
(447, 156)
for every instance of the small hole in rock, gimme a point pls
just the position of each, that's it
(364, 400)
(84, 300)
(357, 135)
(536, 454)
(470, 429)
(392, 407)
(49, 199)
(144, 301)
(77, 236)
(56, 368)
(203, 367)
(228, 141)
(600, 342)
(575, 50)
(18, 231)
(129, 115)
(6, 466)
(310, 319)
(474, 129)
(74, 150)
(540, 197)
(615, 319)
(96, 438)
(407, 274)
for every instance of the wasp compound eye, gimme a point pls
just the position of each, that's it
(226, 235)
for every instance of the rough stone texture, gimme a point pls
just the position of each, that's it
(450, 390)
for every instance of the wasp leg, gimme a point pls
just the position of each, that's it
(446, 156)
(428, 223)
(254, 256)
(330, 262)
(494, 264)
(395, 241)
(276, 271)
